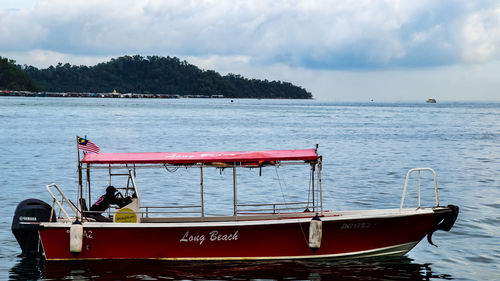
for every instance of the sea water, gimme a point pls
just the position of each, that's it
(367, 149)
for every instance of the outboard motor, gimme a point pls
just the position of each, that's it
(29, 213)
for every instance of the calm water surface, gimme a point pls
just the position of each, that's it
(367, 149)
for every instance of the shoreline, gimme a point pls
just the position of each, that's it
(7, 93)
(98, 95)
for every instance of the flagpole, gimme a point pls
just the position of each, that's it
(80, 184)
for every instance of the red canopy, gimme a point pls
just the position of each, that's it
(199, 157)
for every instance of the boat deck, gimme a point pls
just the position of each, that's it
(264, 218)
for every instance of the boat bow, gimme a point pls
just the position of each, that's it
(446, 219)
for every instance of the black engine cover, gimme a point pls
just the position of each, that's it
(29, 213)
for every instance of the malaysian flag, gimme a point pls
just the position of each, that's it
(86, 145)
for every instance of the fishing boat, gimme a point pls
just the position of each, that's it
(431, 101)
(67, 230)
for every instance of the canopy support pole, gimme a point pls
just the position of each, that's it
(320, 166)
(235, 194)
(88, 182)
(201, 191)
(312, 186)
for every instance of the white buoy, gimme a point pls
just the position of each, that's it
(76, 238)
(315, 233)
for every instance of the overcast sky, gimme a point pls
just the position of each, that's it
(338, 50)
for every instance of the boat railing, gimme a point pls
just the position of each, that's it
(154, 211)
(147, 211)
(60, 203)
(275, 208)
(243, 209)
(419, 170)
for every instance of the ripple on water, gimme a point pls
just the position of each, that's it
(480, 259)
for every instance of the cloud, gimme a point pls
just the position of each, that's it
(481, 35)
(44, 58)
(342, 35)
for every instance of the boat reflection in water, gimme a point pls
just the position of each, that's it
(390, 268)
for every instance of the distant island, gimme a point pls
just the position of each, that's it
(137, 76)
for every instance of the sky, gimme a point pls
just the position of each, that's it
(357, 50)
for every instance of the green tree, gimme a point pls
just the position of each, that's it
(13, 78)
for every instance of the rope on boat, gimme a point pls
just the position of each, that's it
(279, 182)
(171, 170)
(306, 241)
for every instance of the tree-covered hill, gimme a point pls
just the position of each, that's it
(13, 78)
(157, 75)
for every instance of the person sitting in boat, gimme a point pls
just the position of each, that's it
(111, 197)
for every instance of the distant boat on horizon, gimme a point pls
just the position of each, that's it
(431, 101)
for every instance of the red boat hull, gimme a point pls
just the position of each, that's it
(265, 239)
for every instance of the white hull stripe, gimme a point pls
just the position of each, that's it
(397, 250)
